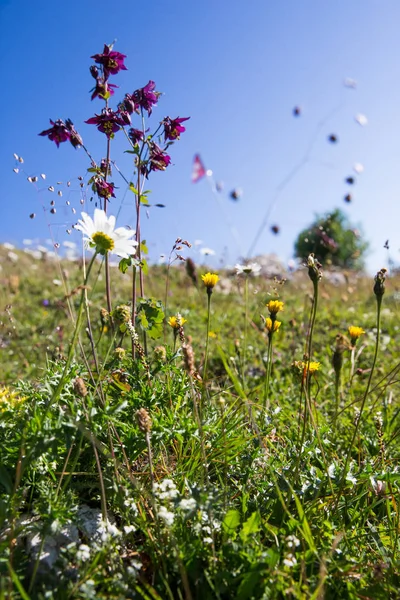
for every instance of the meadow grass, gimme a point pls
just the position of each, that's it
(220, 466)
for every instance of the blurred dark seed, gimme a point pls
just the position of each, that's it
(297, 111)
(350, 180)
(348, 198)
(32, 216)
(333, 138)
(53, 211)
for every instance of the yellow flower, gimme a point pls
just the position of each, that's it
(355, 333)
(9, 400)
(210, 280)
(212, 334)
(176, 321)
(310, 366)
(272, 325)
(274, 306)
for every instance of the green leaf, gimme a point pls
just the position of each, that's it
(143, 200)
(251, 526)
(150, 317)
(124, 264)
(145, 267)
(231, 521)
(133, 189)
(143, 247)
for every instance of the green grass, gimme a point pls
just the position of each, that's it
(240, 505)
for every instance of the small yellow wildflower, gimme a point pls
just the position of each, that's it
(9, 400)
(355, 333)
(311, 366)
(210, 280)
(274, 306)
(176, 321)
(212, 334)
(271, 325)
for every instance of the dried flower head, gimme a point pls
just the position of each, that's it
(120, 353)
(122, 314)
(160, 353)
(143, 420)
(80, 388)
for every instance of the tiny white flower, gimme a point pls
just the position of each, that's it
(248, 269)
(187, 504)
(166, 515)
(100, 233)
(208, 540)
(83, 552)
(129, 528)
(290, 560)
(331, 470)
(207, 252)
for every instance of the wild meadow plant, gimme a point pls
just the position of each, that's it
(191, 467)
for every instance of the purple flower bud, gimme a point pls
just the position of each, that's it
(125, 116)
(94, 71)
(128, 104)
(75, 138)
(103, 189)
(159, 159)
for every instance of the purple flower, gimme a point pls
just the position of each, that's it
(112, 61)
(108, 122)
(58, 133)
(128, 104)
(173, 128)
(146, 97)
(103, 89)
(159, 159)
(102, 188)
(125, 116)
(135, 135)
(75, 138)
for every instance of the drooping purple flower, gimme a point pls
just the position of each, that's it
(173, 128)
(135, 135)
(102, 188)
(108, 122)
(58, 133)
(103, 89)
(125, 116)
(112, 61)
(158, 159)
(146, 97)
(128, 104)
(75, 138)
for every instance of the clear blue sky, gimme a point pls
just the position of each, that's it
(237, 69)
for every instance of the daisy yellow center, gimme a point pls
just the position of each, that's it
(104, 243)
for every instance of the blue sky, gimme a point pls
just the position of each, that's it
(237, 69)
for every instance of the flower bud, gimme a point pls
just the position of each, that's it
(379, 287)
(94, 71)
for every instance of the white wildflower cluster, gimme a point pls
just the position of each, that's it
(83, 553)
(292, 541)
(187, 505)
(166, 490)
(166, 493)
(290, 560)
(206, 526)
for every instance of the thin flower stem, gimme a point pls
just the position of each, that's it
(246, 318)
(268, 374)
(208, 334)
(75, 336)
(346, 464)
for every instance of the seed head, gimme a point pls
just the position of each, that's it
(143, 420)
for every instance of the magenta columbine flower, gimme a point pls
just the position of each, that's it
(103, 89)
(173, 128)
(135, 135)
(128, 104)
(58, 133)
(103, 189)
(159, 159)
(146, 97)
(108, 122)
(112, 61)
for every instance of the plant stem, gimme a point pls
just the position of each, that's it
(268, 375)
(346, 464)
(75, 336)
(208, 334)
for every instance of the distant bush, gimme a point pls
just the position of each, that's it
(334, 241)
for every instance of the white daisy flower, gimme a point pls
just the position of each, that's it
(101, 234)
(248, 269)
